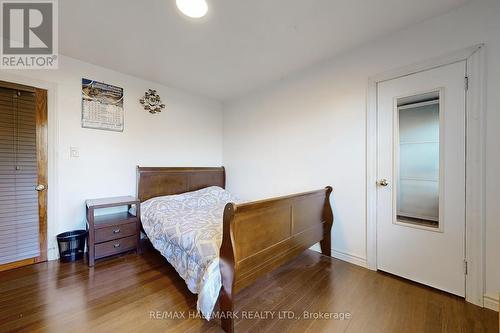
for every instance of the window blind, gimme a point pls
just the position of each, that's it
(19, 224)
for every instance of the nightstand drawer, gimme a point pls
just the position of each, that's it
(114, 232)
(115, 246)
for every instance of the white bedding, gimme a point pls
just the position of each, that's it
(187, 230)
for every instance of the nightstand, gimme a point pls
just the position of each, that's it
(112, 234)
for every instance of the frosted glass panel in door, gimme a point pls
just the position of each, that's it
(418, 185)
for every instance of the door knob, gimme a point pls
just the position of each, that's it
(383, 182)
(40, 187)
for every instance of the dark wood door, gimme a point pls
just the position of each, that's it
(23, 175)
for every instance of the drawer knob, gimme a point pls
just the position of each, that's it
(116, 245)
(116, 231)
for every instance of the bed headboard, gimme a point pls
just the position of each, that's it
(158, 181)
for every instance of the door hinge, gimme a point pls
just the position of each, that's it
(465, 267)
(466, 81)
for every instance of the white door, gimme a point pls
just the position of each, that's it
(421, 177)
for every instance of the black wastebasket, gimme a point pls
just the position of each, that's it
(71, 245)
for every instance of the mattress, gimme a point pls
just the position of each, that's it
(187, 230)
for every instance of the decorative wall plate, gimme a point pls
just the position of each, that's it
(152, 102)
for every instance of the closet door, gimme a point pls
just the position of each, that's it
(20, 233)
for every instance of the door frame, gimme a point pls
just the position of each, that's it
(475, 110)
(42, 148)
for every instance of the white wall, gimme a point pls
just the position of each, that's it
(187, 133)
(308, 130)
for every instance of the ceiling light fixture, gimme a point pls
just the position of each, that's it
(192, 8)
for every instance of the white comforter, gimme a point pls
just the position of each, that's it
(187, 230)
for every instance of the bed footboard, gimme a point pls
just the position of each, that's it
(262, 235)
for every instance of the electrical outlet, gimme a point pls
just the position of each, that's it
(74, 152)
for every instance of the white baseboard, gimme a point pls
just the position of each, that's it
(350, 258)
(490, 303)
(344, 256)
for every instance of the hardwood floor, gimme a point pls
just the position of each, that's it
(138, 293)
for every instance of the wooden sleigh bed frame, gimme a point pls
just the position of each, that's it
(257, 236)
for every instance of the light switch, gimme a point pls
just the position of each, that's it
(74, 152)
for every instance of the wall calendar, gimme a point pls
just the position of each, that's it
(102, 106)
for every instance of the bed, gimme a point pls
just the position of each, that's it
(255, 237)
